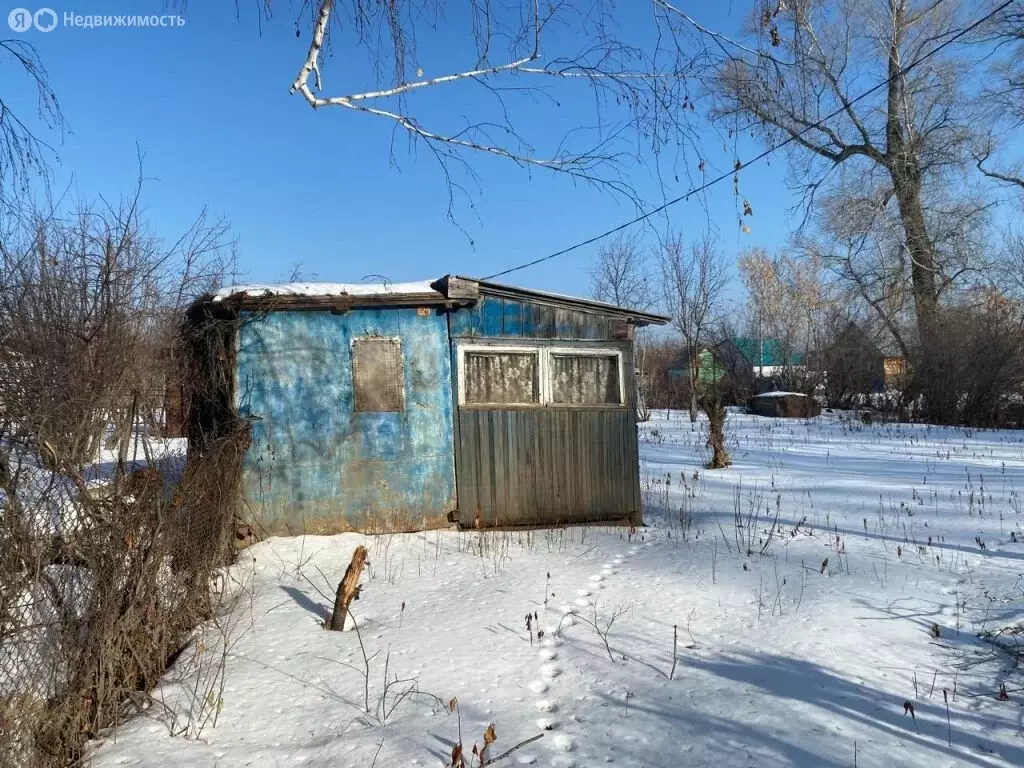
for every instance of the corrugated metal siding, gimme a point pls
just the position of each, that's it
(315, 463)
(553, 464)
(547, 465)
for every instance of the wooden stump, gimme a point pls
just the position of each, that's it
(348, 589)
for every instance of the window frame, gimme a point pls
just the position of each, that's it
(462, 349)
(544, 354)
(401, 360)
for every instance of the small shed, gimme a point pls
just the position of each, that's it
(722, 364)
(791, 405)
(399, 406)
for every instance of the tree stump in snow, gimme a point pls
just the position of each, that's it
(348, 589)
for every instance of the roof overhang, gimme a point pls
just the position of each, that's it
(450, 291)
(466, 287)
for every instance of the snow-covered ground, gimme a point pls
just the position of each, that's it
(804, 631)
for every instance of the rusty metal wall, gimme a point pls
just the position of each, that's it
(532, 466)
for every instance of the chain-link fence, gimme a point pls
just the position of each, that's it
(101, 580)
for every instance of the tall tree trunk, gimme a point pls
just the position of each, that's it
(907, 186)
(905, 172)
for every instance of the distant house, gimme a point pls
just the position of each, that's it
(768, 357)
(854, 365)
(722, 364)
(895, 372)
(402, 405)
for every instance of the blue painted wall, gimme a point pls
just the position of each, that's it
(315, 463)
(503, 317)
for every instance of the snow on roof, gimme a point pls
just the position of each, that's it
(781, 394)
(266, 290)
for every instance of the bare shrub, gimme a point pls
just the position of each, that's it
(104, 569)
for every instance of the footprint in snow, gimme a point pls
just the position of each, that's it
(563, 743)
(582, 602)
(545, 705)
(583, 592)
(550, 671)
(596, 578)
(538, 686)
(545, 723)
(548, 654)
(526, 760)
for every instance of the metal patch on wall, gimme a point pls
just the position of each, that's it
(378, 375)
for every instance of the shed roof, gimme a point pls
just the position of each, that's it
(636, 316)
(323, 290)
(450, 290)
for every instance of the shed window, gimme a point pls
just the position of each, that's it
(540, 375)
(509, 378)
(378, 375)
(585, 379)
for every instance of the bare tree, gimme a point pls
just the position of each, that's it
(88, 304)
(524, 56)
(803, 81)
(788, 301)
(863, 245)
(1004, 94)
(1013, 265)
(24, 154)
(694, 280)
(620, 276)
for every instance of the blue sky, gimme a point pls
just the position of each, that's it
(208, 106)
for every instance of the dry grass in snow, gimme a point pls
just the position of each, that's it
(816, 604)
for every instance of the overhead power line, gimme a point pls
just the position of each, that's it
(744, 165)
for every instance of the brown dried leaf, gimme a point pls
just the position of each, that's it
(489, 736)
(453, 704)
